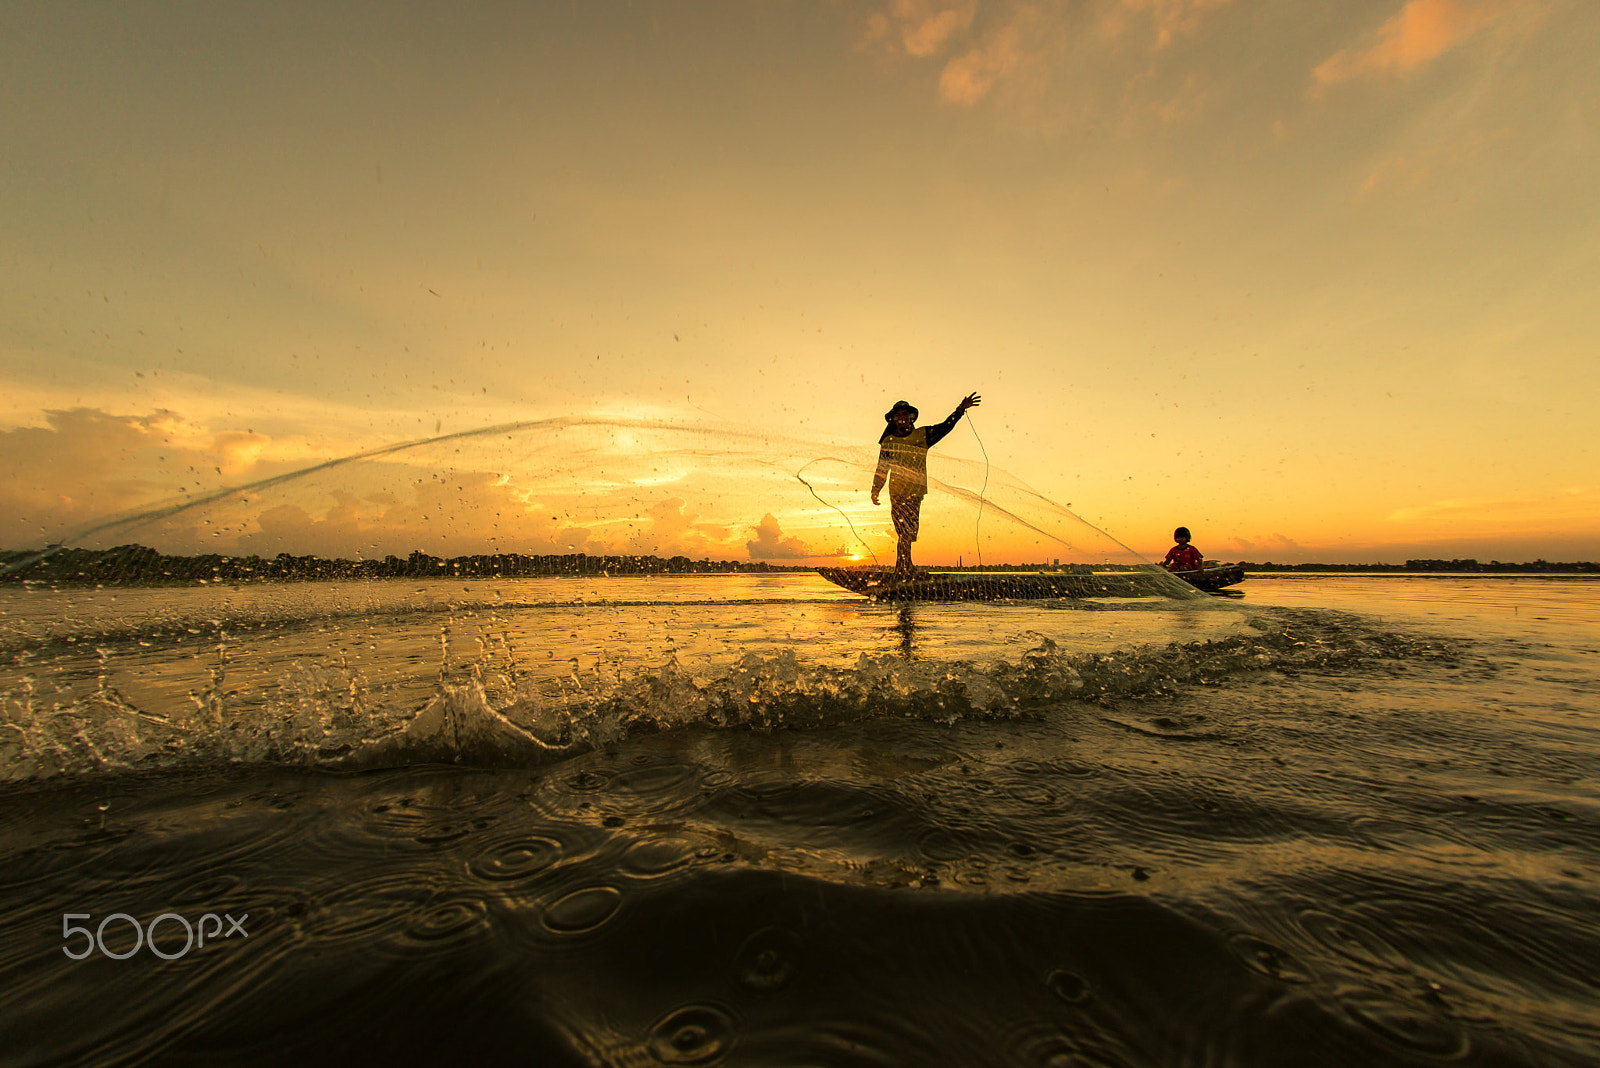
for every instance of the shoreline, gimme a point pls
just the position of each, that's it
(137, 565)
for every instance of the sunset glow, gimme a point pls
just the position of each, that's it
(1317, 284)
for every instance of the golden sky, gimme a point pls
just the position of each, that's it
(1318, 281)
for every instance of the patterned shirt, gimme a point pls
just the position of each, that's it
(1182, 558)
(903, 461)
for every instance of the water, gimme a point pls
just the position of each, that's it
(758, 820)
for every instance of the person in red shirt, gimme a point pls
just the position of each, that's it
(1182, 556)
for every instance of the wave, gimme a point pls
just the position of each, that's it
(325, 716)
(171, 629)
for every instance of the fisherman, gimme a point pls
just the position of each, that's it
(903, 463)
(1183, 556)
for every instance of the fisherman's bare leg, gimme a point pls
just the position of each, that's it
(903, 567)
(907, 514)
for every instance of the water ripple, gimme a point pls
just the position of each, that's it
(516, 857)
(693, 1034)
(582, 910)
(768, 959)
(1409, 1029)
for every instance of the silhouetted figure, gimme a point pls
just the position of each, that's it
(903, 463)
(1183, 556)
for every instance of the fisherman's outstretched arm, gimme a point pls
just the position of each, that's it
(971, 400)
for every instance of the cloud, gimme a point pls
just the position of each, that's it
(770, 544)
(1417, 170)
(1265, 544)
(85, 464)
(920, 27)
(1188, 102)
(1422, 31)
(1419, 546)
(181, 486)
(239, 451)
(390, 509)
(673, 530)
(1029, 42)
(1575, 508)
(968, 78)
(1172, 18)
(97, 478)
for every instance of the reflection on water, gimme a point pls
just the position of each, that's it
(906, 626)
(822, 831)
(1509, 605)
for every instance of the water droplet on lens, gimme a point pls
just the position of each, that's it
(583, 910)
(694, 1034)
(768, 959)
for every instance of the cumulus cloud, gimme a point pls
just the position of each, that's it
(673, 530)
(180, 486)
(86, 464)
(770, 544)
(1419, 33)
(383, 511)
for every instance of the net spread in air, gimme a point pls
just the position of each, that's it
(596, 495)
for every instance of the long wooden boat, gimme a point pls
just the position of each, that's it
(1214, 576)
(880, 583)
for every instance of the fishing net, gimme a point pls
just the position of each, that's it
(611, 496)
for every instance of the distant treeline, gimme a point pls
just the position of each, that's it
(136, 565)
(1492, 567)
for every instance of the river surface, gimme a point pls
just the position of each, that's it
(757, 820)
